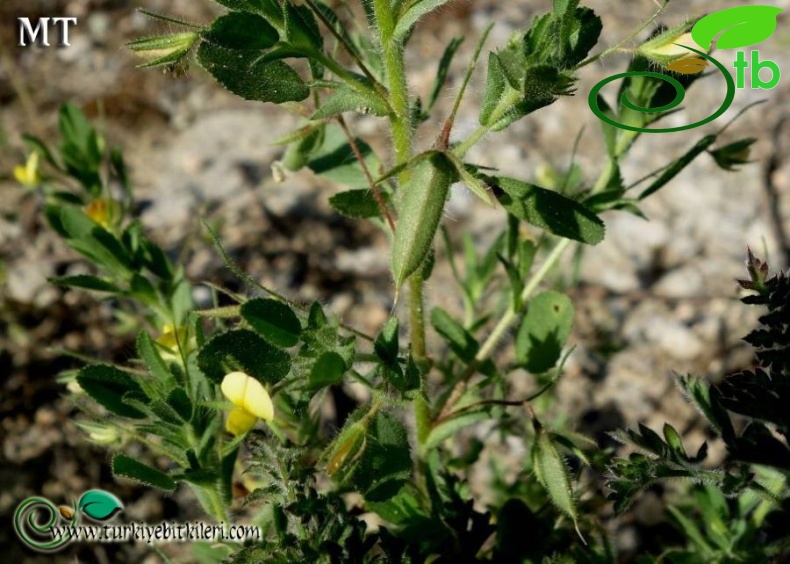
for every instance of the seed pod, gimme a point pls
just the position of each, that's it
(66, 512)
(420, 206)
(344, 453)
(298, 153)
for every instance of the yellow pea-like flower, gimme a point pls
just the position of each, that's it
(251, 401)
(28, 174)
(240, 421)
(103, 211)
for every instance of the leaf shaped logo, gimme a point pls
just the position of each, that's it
(739, 27)
(688, 65)
(99, 505)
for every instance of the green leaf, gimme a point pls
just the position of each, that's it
(270, 9)
(126, 467)
(146, 348)
(304, 146)
(516, 281)
(673, 439)
(156, 260)
(301, 28)
(471, 179)
(563, 37)
(327, 370)
(86, 282)
(553, 474)
(386, 462)
(316, 318)
(97, 244)
(549, 210)
(80, 148)
(246, 74)
(609, 131)
(344, 99)
(165, 412)
(460, 340)
(244, 351)
(733, 154)
(180, 402)
(108, 386)
(450, 427)
(543, 332)
(497, 87)
(386, 344)
(358, 204)
(678, 165)
(75, 223)
(692, 533)
(273, 320)
(142, 289)
(415, 11)
(442, 71)
(242, 31)
(740, 27)
(99, 505)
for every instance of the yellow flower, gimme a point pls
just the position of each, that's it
(250, 399)
(28, 174)
(103, 211)
(169, 340)
(673, 49)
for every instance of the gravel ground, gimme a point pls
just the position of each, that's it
(656, 297)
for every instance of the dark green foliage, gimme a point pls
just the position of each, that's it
(242, 350)
(126, 467)
(304, 525)
(273, 320)
(111, 388)
(533, 71)
(252, 77)
(548, 210)
(760, 395)
(543, 332)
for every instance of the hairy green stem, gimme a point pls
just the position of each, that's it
(400, 122)
(504, 106)
(212, 502)
(509, 317)
(503, 326)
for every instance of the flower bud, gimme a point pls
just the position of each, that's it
(170, 340)
(164, 50)
(734, 154)
(667, 47)
(100, 433)
(104, 211)
(346, 450)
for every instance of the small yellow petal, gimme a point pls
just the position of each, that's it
(20, 173)
(240, 421)
(170, 338)
(27, 174)
(247, 392)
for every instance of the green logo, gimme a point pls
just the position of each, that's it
(36, 518)
(735, 28)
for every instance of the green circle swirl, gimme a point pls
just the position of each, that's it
(680, 94)
(25, 522)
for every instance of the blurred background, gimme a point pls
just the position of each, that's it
(657, 296)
